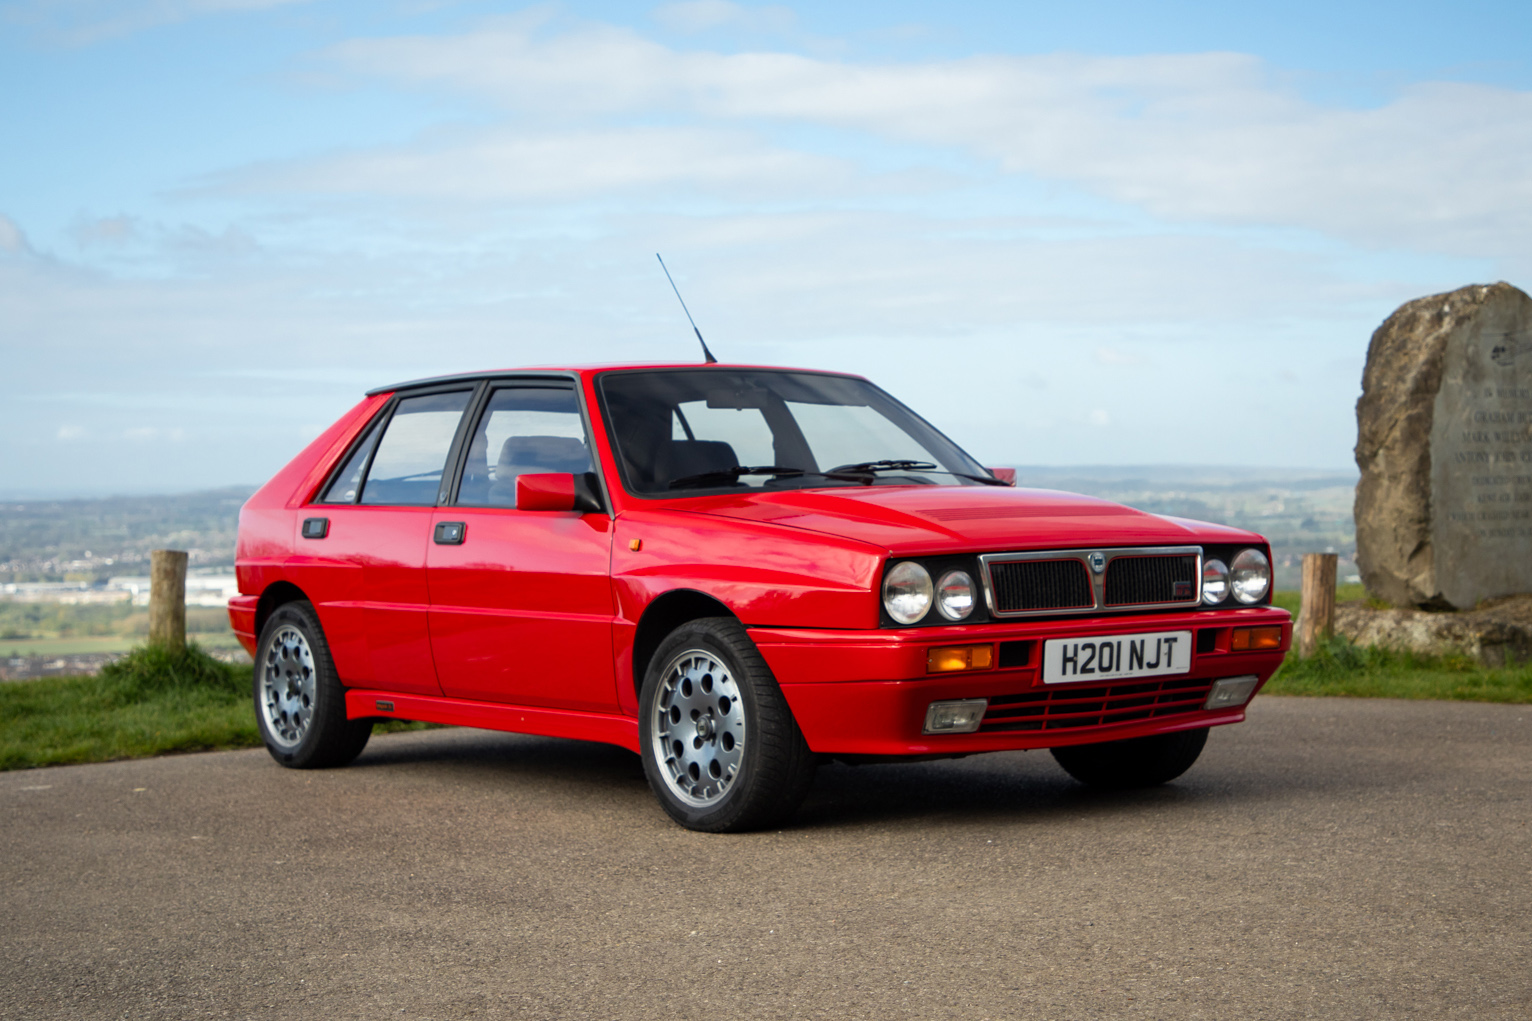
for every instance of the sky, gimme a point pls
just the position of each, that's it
(1082, 234)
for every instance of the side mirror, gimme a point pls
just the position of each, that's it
(1006, 475)
(556, 491)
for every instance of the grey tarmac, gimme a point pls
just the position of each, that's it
(1329, 858)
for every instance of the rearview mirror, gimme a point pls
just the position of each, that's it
(737, 399)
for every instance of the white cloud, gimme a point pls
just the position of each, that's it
(1202, 137)
(12, 239)
(509, 164)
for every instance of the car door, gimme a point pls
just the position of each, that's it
(361, 551)
(521, 600)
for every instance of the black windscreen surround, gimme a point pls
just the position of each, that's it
(673, 429)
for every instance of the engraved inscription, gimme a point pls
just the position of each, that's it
(1482, 466)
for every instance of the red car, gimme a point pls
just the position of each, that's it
(735, 572)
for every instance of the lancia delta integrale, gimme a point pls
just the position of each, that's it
(735, 573)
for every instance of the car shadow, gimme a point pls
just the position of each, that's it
(1014, 786)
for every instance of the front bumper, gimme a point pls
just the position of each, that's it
(867, 692)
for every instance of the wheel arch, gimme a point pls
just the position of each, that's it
(662, 616)
(276, 595)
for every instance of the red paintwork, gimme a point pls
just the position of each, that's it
(552, 492)
(530, 623)
(522, 611)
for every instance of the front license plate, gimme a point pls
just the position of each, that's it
(1112, 656)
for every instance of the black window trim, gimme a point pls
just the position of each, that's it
(380, 422)
(535, 381)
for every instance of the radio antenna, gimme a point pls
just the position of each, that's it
(706, 354)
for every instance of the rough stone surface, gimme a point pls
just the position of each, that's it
(1497, 634)
(1444, 506)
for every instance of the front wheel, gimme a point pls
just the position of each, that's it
(300, 705)
(720, 746)
(1137, 762)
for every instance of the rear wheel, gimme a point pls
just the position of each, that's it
(300, 704)
(720, 746)
(1138, 762)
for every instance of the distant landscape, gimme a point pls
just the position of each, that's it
(91, 541)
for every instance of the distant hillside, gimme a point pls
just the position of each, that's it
(1300, 511)
(57, 540)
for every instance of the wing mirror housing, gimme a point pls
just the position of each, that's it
(1006, 475)
(557, 491)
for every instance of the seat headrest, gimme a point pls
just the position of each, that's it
(679, 458)
(550, 453)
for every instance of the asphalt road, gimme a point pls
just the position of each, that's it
(1326, 859)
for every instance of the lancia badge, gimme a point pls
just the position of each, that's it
(1097, 562)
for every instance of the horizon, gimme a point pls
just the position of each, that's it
(1188, 473)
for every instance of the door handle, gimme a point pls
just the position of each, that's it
(450, 533)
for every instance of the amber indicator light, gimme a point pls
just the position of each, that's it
(946, 658)
(1246, 639)
(635, 544)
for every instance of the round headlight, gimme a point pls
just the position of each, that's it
(954, 595)
(1215, 582)
(907, 592)
(1250, 576)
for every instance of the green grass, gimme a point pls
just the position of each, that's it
(1340, 668)
(97, 643)
(151, 702)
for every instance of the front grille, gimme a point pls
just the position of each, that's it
(1150, 579)
(1041, 585)
(1071, 707)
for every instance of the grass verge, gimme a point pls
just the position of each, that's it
(1340, 668)
(150, 702)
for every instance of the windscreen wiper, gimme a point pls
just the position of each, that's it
(910, 466)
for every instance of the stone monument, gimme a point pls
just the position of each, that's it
(1444, 442)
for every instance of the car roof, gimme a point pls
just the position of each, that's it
(580, 371)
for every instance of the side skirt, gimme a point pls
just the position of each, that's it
(363, 703)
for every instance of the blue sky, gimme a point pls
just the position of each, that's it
(1097, 233)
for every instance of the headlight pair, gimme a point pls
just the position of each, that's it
(908, 593)
(1248, 579)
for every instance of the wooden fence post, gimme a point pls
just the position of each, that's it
(1316, 617)
(167, 599)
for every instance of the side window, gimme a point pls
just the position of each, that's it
(524, 429)
(407, 469)
(348, 482)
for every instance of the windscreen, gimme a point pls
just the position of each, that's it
(683, 431)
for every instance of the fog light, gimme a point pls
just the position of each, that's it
(1249, 639)
(959, 657)
(960, 716)
(1231, 691)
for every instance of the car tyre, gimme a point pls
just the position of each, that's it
(300, 704)
(720, 746)
(1137, 762)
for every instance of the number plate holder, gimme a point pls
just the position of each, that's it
(1147, 654)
